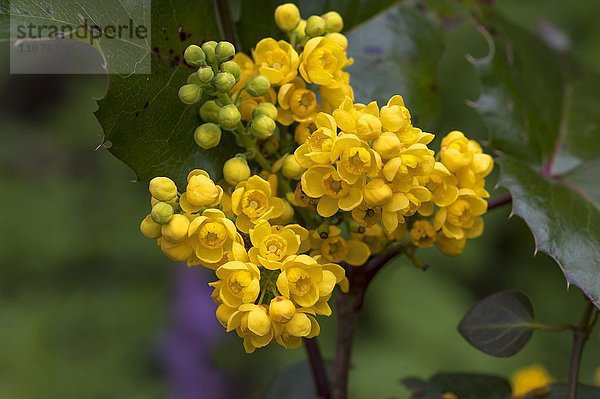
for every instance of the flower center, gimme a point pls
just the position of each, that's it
(254, 203)
(335, 187)
(274, 247)
(319, 141)
(299, 281)
(334, 249)
(212, 235)
(356, 160)
(238, 281)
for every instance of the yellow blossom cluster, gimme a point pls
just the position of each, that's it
(267, 290)
(324, 182)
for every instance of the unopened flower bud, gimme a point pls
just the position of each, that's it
(236, 170)
(267, 109)
(224, 51)
(287, 16)
(161, 213)
(190, 93)
(207, 135)
(224, 82)
(263, 127)
(333, 22)
(209, 51)
(177, 228)
(281, 309)
(315, 26)
(291, 168)
(258, 86)
(194, 55)
(377, 193)
(339, 39)
(368, 127)
(387, 145)
(209, 111)
(231, 67)
(193, 79)
(205, 74)
(229, 117)
(300, 31)
(150, 228)
(162, 188)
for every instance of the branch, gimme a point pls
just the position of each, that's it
(227, 25)
(499, 201)
(580, 337)
(317, 365)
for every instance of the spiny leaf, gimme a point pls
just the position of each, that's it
(500, 324)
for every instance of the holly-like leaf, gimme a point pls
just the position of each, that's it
(464, 386)
(397, 52)
(544, 120)
(560, 391)
(500, 324)
(145, 124)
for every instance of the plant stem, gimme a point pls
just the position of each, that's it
(317, 366)
(348, 308)
(554, 327)
(580, 336)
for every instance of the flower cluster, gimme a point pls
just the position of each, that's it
(324, 182)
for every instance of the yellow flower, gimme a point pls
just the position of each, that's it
(316, 150)
(290, 334)
(443, 187)
(303, 131)
(361, 120)
(422, 234)
(281, 309)
(297, 103)
(336, 249)
(376, 193)
(530, 379)
(355, 158)
(236, 253)
(248, 103)
(162, 188)
(366, 216)
(213, 235)
(277, 60)
(373, 236)
(326, 184)
(299, 280)
(332, 97)
(150, 228)
(395, 117)
(416, 160)
(403, 204)
(254, 200)
(387, 145)
(462, 217)
(201, 191)
(253, 324)
(239, 282)
(177, 229)
(322, 61)
(177, 251)
(287, 17)
(458, 152)
(450, 246)
(272, 244)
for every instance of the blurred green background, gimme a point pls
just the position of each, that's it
(85, 299)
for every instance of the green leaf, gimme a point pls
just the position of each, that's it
(543, 116)
(397, 52)
(293, 382)
(560, 391)
(145, 124)
(465, 386)
(500, 324)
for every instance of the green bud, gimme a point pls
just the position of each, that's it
(224, 82)
(267, 109)
(161, 213)
(205, 74)
(291, 168)
(258, 86)
(209, 111)
(263, 127)
(333, 22)
(190, 93)
(229, 117)
(231, 67)
(193, 79)
(224, 51)
(207, 135)
(315, 26)
(209, 51)
(194, 55)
